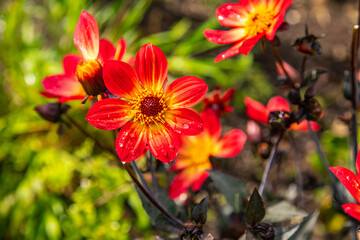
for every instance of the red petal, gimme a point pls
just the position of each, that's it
(303, 126)
(66, 99)
(120, 49)
(131, 142)
(199, 181)
(86, 36)
(227, 96)
(229, 53)
(70, 63)
(249, 43)
(349, 180)
(281, 5)
(293, 73)
(185, 121)
(151, 67)
(255, 110)
(106, 51)
(225, 37)
(163, 142)
(270, 34)
(120, 79)
(186, 92)
(181, 182)
(277, 104)
(231, 15)
(352, 209)
(230, 144)
(358, 163)
(211, 123)
(109, 114)
(62, 86)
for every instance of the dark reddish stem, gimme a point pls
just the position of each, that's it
(354, 84)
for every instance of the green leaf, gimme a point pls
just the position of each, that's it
(255, 210)
(233, 189)
(199, 213)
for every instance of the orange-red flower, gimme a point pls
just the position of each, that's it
(195, 151)
(251, 20)
(352, 183)
(82, 74)
(152, 114)
(258, 112)
(218, 102)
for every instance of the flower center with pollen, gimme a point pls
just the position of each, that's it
(149, 107)
(259, 21)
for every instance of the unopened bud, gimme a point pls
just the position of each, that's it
(314, 109)
(253, 131)
(52, 111)
(308, 45)
(264, 230)
(89, 74)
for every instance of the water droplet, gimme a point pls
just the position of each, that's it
(171, 146)
(121, 144)
(186, 126)
(220, 18)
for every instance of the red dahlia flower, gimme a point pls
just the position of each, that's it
(218, 102)
(151, 114)
(83, 73)
(195, 151)
(352, 182)
(258, 112)
(250, 20)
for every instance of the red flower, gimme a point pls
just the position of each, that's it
(258, 112)
(219, 103)
(352, 182)
(151, 114)
(250, 20)
(85, 68)
(195, 151)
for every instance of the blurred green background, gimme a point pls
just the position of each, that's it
(64, 187)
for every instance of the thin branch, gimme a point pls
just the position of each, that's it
(152, 171)
(354, 83)
(176, 221)
(268, 166)
(141, 176)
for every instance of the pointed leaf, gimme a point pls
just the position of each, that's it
(199, 213)
(255, 210)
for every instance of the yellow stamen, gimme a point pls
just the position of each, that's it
(259, 21)
(149, 107)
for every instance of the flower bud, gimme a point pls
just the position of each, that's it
(314, 109)
(253, 131)
(52, 111)
(264, 230)
(89, 74)
(308, 45)
(190, 231)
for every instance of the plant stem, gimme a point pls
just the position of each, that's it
(152, 171)
(337, 192)
(354, 84)
(147, 193)
(154, 201)
(270, 160)
(83, 130)
(303, 67)
(280, 61)
(141, 176)
(299, 180)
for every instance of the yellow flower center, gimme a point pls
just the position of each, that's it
(259, 21)
(149, 107)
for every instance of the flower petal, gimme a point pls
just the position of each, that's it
(230, 52)
(231, 15)
(151, 67)
(199, 181)
(352, 209)
(163, 142)
(186, 92)
(120, 49)
(255, 110)
(70, 63)
(277, 103)
(131, 141)
(293, 73)
(230, 144)
(281, 5)
(86, 36)
(181, 183)
(63, 86)
(185, 121)
(225, 37)
(211, 124)
(106, 51)
(120, 79)
(109, 114)
(303, 126)
(349, 179)
(358, 164)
